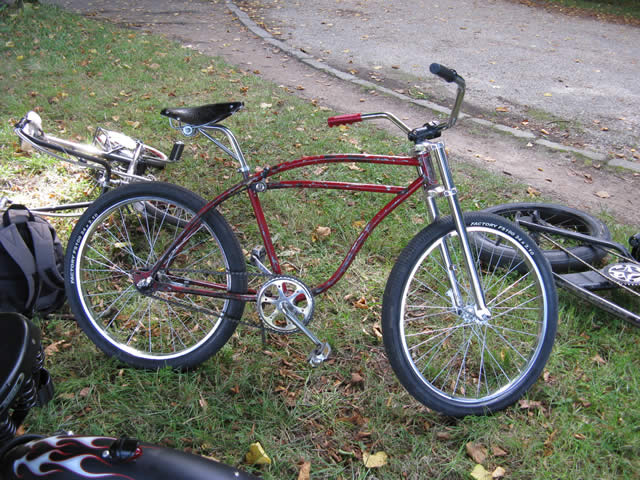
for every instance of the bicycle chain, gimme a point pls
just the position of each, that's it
(206, 311)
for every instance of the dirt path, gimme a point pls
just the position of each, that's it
(213, 28)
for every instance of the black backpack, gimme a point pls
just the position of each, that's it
(31, 262)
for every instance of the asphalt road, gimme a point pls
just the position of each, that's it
(558, 171)
(554, 69)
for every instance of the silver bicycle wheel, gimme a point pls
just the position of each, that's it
(146, 326)
(445, 354)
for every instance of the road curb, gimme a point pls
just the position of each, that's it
(318, 65)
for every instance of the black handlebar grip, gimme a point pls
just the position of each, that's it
(443, 72)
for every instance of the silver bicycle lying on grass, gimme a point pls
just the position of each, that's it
(113, 158)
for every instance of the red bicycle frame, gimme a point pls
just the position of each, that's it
(257, 183)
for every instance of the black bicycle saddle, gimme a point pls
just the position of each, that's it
(204, 114)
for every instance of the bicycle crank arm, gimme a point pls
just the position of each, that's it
(322, 350)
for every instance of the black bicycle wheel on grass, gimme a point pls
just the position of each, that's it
(449, 356)
(151, 328)
(553, 215)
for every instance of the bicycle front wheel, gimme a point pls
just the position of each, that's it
(147, 327)
(444, 353)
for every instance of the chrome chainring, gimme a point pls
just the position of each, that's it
(625, 273)
(280, 294)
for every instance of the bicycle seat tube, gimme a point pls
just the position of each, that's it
(235, 152)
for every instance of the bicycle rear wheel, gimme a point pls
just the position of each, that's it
(152, 328)
(555, 216)
(443, 353)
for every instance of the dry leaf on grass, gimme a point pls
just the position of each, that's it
(477, 452)
(256, 455)
(480, 473)
(375, 460)
(499, 472)
(305, 471)
(323, 231)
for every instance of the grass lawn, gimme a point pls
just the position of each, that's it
(580, 420)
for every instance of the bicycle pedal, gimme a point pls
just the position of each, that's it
(176, 152)
(258, 255)
(259, 252)
(319, 354)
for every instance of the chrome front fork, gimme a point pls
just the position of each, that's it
(434, 152)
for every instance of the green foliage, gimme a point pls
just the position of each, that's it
(626, 9)
(579, 421)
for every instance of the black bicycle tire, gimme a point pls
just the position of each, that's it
(396, 317)
(559, 216)
(227, 243)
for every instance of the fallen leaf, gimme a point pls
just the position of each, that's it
(528, 404)
(265, 105)
(323, 231)
(84, 392)
(502, 109)
(377, 331)
(533, 192)
(256, 455)
(499, 472)
(53, 348)
(497, 451)
(480, 473)
(203, 403)
(602, 194)
(477, 452)
(361, 303)
(305, 471)
(359, 224)
(599, 360)
(376, 460)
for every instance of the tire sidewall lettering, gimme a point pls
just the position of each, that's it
(76, 246)
(507, 231)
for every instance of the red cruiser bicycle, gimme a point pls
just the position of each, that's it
(156, 277)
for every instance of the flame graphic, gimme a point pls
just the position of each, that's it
(71, 464)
